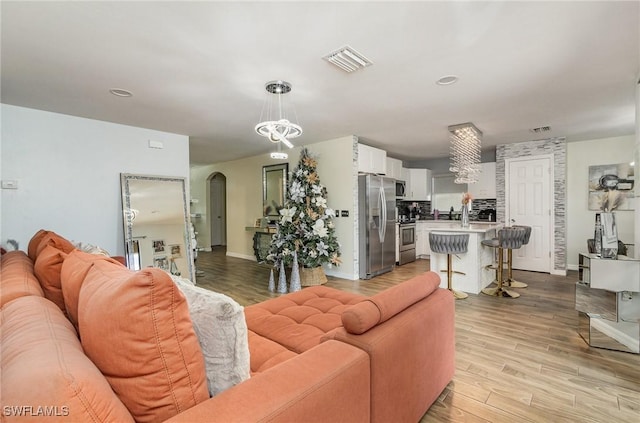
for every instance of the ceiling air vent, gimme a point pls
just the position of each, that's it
(347, 59)
(541, 129)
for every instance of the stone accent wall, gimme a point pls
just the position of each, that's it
(356, 212)
(558, 148)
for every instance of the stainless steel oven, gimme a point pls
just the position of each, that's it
(407, 242)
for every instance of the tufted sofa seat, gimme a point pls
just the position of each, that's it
(300, 320)
(407, 331)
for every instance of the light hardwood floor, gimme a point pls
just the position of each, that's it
(517, 360)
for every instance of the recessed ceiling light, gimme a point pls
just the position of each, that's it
(120, 92)
(447, 80)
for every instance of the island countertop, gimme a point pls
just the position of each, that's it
(454, 226)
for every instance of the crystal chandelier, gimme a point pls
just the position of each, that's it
(277, 128)
(465, 152)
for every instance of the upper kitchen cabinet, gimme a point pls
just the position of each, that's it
(394, 168)
(371, 160)
(419, 185)
(486, 185)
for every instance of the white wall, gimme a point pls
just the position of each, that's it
(68, 173)
(244, 198)
(580, 220)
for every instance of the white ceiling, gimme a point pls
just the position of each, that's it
(199, 69)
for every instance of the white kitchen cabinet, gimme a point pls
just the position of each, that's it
(419, 185)
(394, 168)
(372, 160)
(486, 185)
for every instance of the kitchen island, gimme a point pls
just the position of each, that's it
(472, 264)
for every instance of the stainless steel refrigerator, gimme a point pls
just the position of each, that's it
(377, 226)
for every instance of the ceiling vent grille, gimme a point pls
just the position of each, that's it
(347, 59)
(541, 129)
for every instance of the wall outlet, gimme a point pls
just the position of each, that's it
(337, 213)
(10, 184)
(344, 213)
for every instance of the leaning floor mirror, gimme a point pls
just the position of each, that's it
(157, 228)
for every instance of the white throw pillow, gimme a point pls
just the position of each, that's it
(219, 323)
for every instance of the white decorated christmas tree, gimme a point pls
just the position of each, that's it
(306, 223)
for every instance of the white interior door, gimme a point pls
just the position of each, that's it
(528, 202)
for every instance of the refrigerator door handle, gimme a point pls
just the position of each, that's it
(382, 228)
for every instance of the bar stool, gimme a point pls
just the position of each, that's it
(508, 238)
(447, 243)
(510, 282)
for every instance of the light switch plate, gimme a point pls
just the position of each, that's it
(10, 184)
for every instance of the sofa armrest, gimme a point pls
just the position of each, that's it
(329, 382)
(412, 357)
(381, 307)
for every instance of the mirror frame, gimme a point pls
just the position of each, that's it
(125, 178)
(284, 168)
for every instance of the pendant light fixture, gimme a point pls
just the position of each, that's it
(277, 127)
(465, 152)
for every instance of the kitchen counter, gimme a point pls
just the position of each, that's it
(455, 226)
(475, 275)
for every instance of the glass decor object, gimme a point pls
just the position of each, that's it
(276, 126)
(465, 152)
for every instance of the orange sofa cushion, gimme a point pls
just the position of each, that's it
(300, 320)
(135, 327)
(264, 353)
(47, 269)
(43, 365)
(55, 240)
(73, 271)
(16, 277)
(386, 304)
(34, 242)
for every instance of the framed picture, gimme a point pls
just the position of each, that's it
(175, 250)
(158, 246)
(161, 262)
(611, 187)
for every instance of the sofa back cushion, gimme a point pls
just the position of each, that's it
(55, 240)
(386, 304)
(135, 327)
(16, 277)
(44, 367)
(32, 248)
(47, 269)
(73, 271)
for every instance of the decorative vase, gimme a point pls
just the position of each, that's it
(310, 276)
(272, 282)
(609, 236)
(464, 218)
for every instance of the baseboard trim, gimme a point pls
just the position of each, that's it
(242, 256)
(559, 272)
(572, 267)
(336, 274)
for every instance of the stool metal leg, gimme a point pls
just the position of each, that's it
(510, 282)
(458, 295)
(499, 291)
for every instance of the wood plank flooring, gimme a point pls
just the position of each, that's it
(517, 360)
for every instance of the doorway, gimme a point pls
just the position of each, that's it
(529, 190)
(218, 207)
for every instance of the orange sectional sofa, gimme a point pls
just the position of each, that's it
(68, 318)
